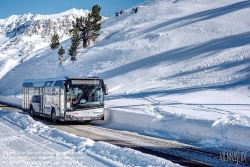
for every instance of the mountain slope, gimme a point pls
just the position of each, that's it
(21, 35)
(177, 48)
(175, 60)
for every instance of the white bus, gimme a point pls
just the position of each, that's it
(65, 99)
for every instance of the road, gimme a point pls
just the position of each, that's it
(183, 154)
(8, 108)
(149, 145)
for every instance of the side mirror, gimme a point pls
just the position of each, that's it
(105, 89)
(66, 87)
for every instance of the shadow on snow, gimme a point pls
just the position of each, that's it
(177, 55)
(200, 16)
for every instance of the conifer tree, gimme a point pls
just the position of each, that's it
(54, 41)
(117, 13)
(60, 52)
(89, 26)
(75, 41)
(93, 22)
(79, 24)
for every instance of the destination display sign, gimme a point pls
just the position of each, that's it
(85, 82)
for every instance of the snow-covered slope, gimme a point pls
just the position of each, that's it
(183, 62)
(22, 35)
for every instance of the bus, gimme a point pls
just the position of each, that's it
(65, 98)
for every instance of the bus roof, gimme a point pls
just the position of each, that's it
(83, 78)
(51, 81)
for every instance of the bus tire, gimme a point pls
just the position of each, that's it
(31, 113)
(53, 116)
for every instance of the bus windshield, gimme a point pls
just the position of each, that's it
(86, 96)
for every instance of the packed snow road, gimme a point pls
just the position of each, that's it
(176, 152)
(162, 148)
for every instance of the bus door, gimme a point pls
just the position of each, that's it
(25, 99)
(62, 100)
(36, 100)
(41, 100)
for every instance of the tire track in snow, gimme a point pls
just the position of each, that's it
(176, 104)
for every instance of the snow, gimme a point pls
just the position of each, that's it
(25, 142)
(175, 69)
(73, 11)
(14, 101)
(10, 64)
(22, 35)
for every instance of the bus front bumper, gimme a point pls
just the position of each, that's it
(85, 115)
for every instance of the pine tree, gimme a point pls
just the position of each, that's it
(89, 26)
(79, 24)
(60, 52)
(134, 10)
(117, 14)
(75, 41)
(93, 22)
(54, 41)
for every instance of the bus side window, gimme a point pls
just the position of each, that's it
(35, 99)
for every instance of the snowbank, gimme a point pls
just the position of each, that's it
(11, 101)
(25, 142)
(229, 131)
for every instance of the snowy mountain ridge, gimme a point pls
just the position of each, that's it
(38, 24)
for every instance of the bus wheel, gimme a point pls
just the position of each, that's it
(31, 111)
(53, 116)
